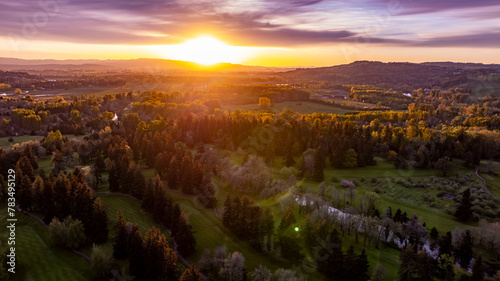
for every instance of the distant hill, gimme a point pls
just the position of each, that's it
(156, 65)
(463, 65)
(396, 75)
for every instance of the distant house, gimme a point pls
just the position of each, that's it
(407, 94)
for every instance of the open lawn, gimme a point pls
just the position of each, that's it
(131, 210)
(36, 258)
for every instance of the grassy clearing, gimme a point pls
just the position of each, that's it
(304, 107)
(131, 210)
(36, 258)
(4, 141)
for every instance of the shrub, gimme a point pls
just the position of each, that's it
(346, 183)
(69, 233)
(102, 263)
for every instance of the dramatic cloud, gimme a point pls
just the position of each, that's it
(486, 40)
(274, 23)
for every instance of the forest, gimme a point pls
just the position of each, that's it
(172, 185)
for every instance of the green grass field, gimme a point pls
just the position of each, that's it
(131, 210)
(210, 233)
(304, 107)
(36, 258)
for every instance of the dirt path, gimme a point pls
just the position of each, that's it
(216, 214)
(484, 183)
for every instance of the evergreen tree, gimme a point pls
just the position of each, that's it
(288, 218)
(191, 274)
(48, 209)
(185, 238)
(464, 208)
(319, 165)
(25, 166)
(349, 265)
(97, 170)
(37, 189)
(139, 182)
(58, 162)
(62, 191)
(361, 267)
(99, 223)
(120, 239)
(445, 244)
(308, 233)
(434, 233)
(416, 266)
(28, 152)
(398, 216)
(463, 252)
(331, 257)
(477, 269)
(113, 179)
(136, 252)
(160, 258)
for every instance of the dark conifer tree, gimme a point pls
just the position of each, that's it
(361, 267)
(97, 170)
(49, 208)
(266, 223)
(445, 244)
(37, 188)
(477, 269)
(114, 184)
(28, 152)
(463, 253)
(331, 257)
(288, 218)
(136, 253)
(464, 209)
(397, 216)
(99, 223)
(185, 238)
(349, 265)
(120, 239)
(62, 191)
(24, 165)
(139, 182)
(160, 258)
(191, 274)
(319, 165)
(172, 173)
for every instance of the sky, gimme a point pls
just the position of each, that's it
(254, 32)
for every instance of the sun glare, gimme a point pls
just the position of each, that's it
(206, 50)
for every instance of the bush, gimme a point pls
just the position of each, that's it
(69, 233)
(346, 183)
(102, 263)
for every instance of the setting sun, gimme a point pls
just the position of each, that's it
(206, 50)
